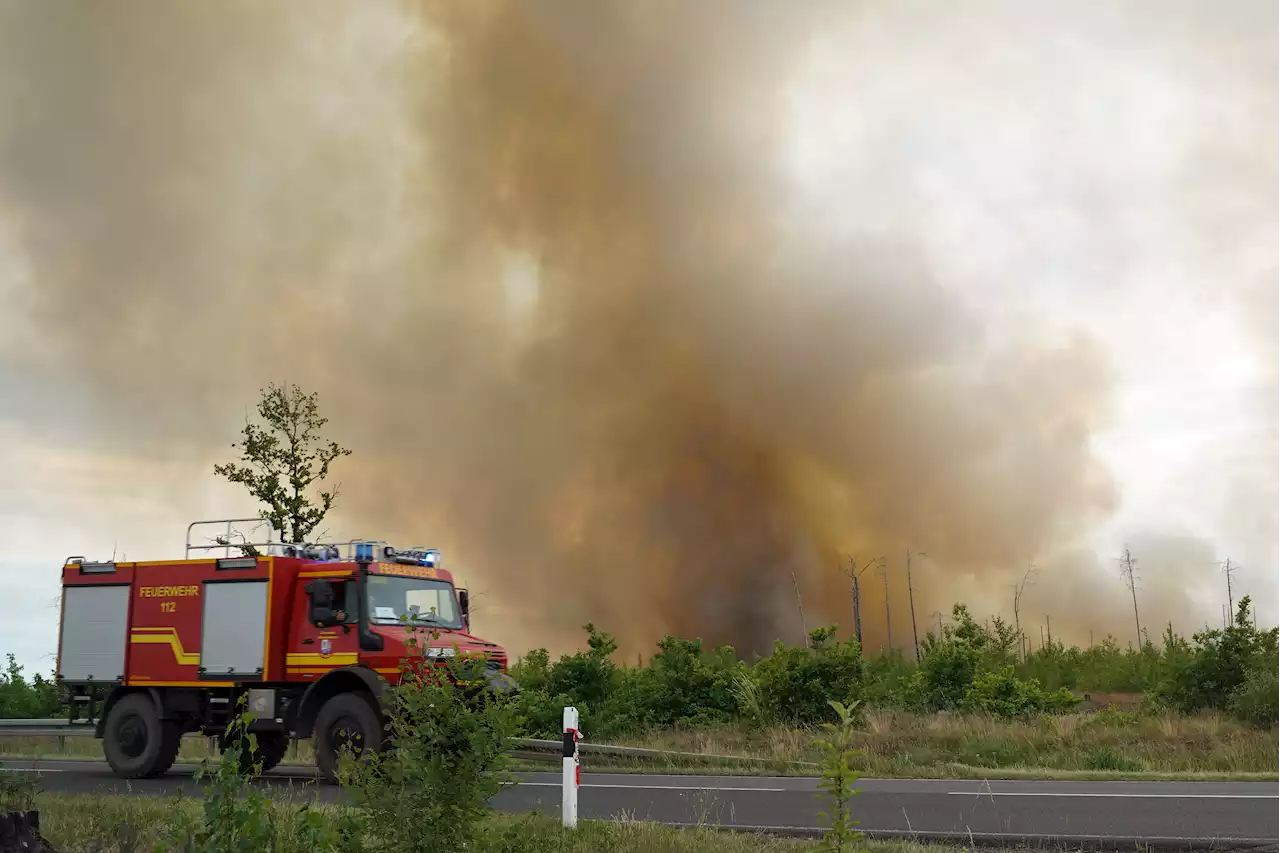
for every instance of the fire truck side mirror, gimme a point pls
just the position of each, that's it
(464, 605)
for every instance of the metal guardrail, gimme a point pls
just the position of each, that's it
(65, 729)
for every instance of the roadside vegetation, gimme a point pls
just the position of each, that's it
(26, 699)
(94, 824)
(429, 788)
(970, 670)
(1204, 707)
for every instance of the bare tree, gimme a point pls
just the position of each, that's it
(911, 600)
(1227, 569)
(1018, 589)
(1127, 565)
(888, 620)
(804, 626)
(856, 591)
(937, 614)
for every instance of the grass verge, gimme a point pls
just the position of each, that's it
(89, 824)
(1105, 745)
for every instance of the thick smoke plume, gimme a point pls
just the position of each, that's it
(550, 267)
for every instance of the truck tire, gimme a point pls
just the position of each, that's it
(345, 718)
(270, 751)
(137, 743)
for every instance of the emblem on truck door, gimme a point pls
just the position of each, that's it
(326, 646)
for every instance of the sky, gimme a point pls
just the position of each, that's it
(720, 297)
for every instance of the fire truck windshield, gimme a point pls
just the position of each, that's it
(421, 601)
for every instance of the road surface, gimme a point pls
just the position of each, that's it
(1107, 814)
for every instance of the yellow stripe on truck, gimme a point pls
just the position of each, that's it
(165, 637)
(312, 659)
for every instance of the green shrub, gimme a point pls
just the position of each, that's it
(838, 776)
(683, 684)
(533, 670)
(238, 817)
(18, 791)
(1003, 694)
(1257, 699)
(947, 671)
(1106, 758)
(429, 789)
(541, 716)
(798, 684)
(590, 676)
(20, 699)
(891, 681)
(1220, 665)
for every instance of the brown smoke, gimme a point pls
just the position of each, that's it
(711, 388)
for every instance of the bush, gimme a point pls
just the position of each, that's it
(951, 662)
(589, 677)
(1003, 694)
(683, 684)
(1255, 701)
(1228, 670)
(538, 715)
(446, 757)
(947, 671)
(242, 818)
(798, 684)
(27, 700)
(533, 670)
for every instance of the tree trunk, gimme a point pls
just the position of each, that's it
(20, 833)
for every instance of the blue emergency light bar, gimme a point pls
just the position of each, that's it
(412, 557)
(364, 552)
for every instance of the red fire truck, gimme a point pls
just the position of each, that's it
(308, 635)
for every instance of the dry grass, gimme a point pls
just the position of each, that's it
(1102, 745)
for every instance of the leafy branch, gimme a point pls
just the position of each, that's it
(280, 461)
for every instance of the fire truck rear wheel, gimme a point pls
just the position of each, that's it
(348, 718)
(137, 743)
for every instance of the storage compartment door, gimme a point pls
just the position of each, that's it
(233, 644)
(94, 620)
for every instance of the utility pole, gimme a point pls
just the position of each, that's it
(911, 600)
(1131, 581)
(804, 626)
(937, 614)
(1018, 589)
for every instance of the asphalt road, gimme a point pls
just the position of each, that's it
(1110, 814)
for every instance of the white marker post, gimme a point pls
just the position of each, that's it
(571, 776)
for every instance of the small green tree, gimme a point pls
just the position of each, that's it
(239, 817)
(446, 756)
(282, 460)
(838, 777)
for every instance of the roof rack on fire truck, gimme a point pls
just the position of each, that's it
(348, 551)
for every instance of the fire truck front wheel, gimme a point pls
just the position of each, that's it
(138, 744)
(348, 719)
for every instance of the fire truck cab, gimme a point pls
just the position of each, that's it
(308, 635)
